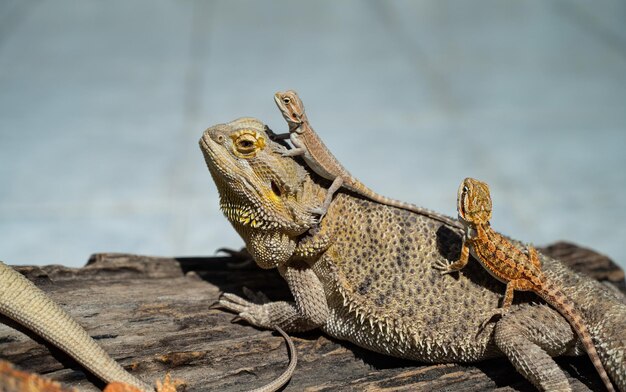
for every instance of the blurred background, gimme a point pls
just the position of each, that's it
(102, 105)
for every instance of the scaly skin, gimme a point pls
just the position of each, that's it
(365, 274)
(26, 304)
(319, 158)
(23, 302)
(508, 264)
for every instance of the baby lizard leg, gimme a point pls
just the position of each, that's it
(517, 284)
(334, 187)
(506, 303)
(508, 294)
(299, 148)
(446, 268)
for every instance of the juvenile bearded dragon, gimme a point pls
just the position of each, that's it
(365, 275)
(520, 271)
(319, 158)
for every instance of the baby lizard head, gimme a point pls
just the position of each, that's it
(474, 201)
(291, 107)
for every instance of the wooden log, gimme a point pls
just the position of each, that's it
(154, 315)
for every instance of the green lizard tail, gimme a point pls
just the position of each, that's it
(23, 302)
(555, 297)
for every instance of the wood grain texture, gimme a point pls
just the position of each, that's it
(154, 315)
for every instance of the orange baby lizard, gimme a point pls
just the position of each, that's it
(520, 271)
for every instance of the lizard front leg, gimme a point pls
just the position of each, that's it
(309, 311)
(446, 268)
(334, 187)
(299, 147)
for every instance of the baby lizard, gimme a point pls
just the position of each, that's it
(308, 144)
(520, 271)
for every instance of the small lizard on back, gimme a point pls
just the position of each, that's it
(319, 158)
(503, 260)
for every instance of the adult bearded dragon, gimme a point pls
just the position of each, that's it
(519, 270)
(365, 273)
(319, 158)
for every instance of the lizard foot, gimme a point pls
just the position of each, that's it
(320, 212)
(444, 267)
(254, 313)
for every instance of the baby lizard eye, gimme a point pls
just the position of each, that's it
(286, 100)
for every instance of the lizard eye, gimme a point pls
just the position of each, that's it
(244, 145)
(286, 100)
(247, 143)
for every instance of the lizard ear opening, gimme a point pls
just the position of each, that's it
(276, 189)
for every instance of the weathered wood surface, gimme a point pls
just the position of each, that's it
(153, 315)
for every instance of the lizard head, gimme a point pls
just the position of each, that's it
(261, 192)
(291, 108)
(474, 201)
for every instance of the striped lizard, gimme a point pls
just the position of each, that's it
(318, 157)
(503, 260)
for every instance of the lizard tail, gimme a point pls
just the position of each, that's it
(360, 188)
(26, 304)
(555, 297)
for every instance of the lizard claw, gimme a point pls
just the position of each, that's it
(320, 212)
(215, 305)
(443, 266)
(233, 303)
(236, 319)
(253, 313)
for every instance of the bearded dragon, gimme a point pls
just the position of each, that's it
(23, 302)
(319, 158)
(519, 270)
(365, 273)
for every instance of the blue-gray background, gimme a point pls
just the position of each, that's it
(102, 104)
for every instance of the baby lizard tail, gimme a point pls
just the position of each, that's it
(318, 157)
(555, 297)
